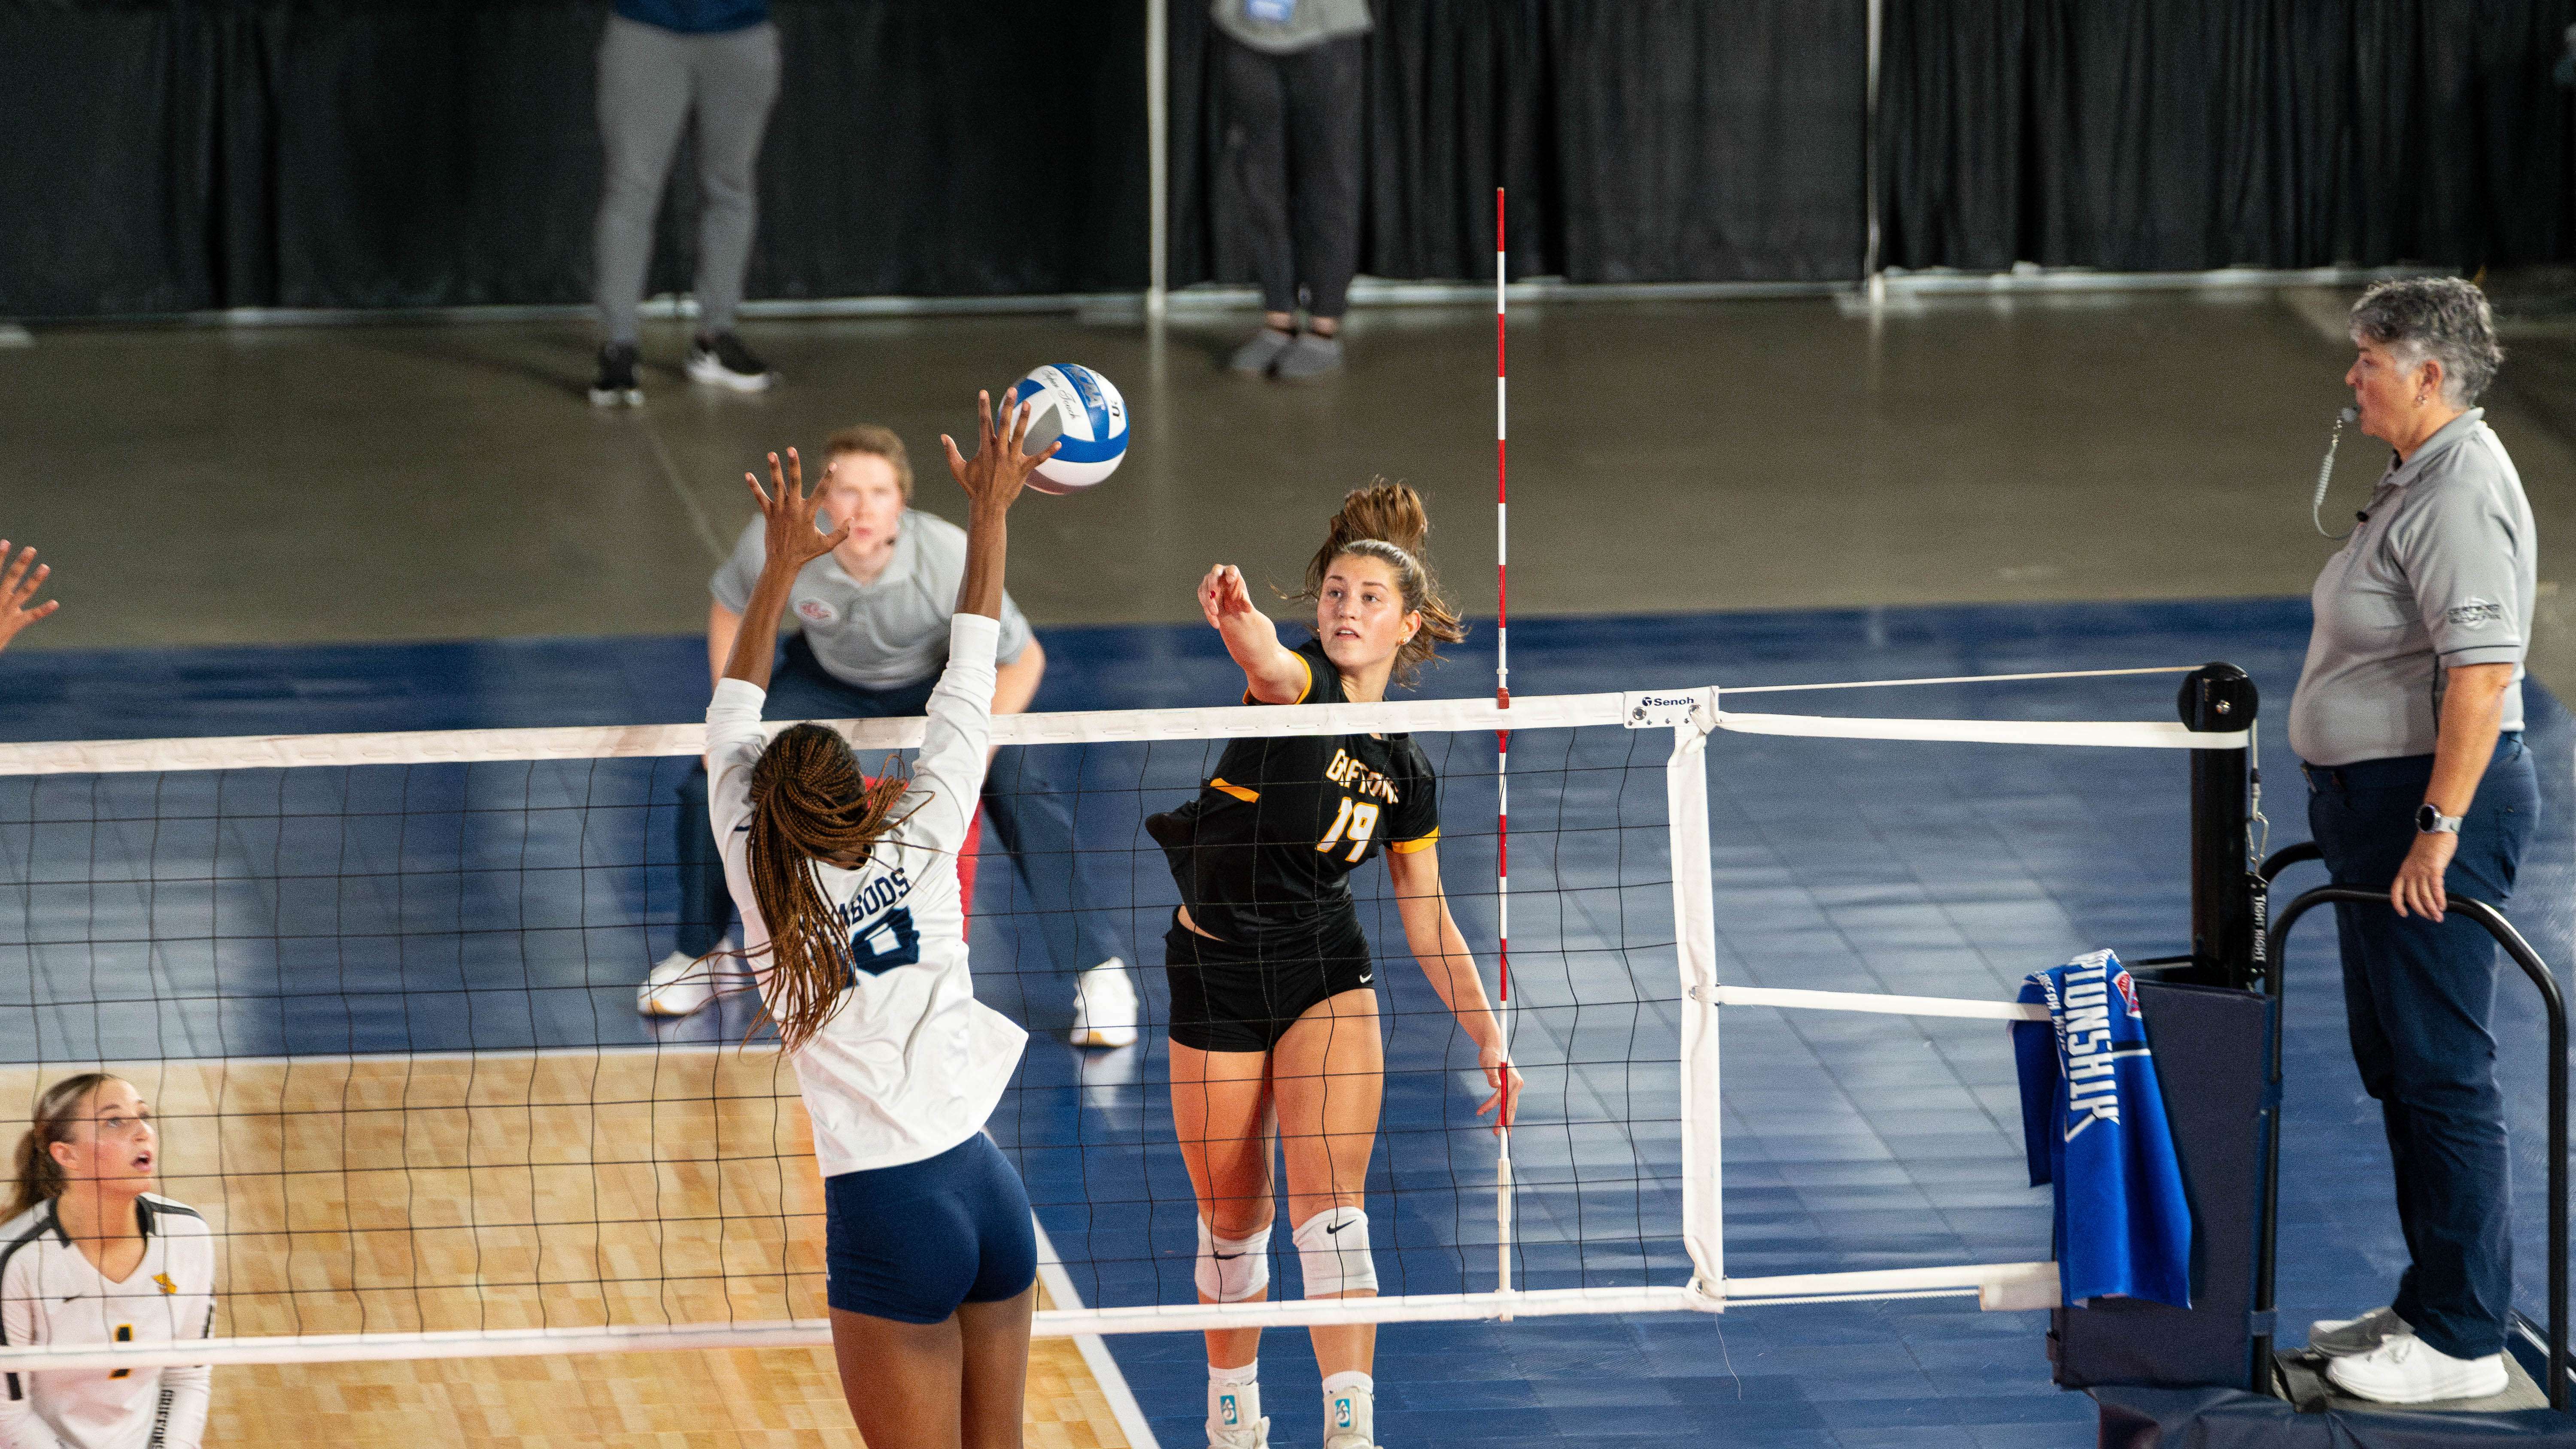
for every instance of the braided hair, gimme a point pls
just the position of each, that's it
(809, 802)
(40, 1177)
(1386, 521)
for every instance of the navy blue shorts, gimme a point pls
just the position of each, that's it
(910, 1243)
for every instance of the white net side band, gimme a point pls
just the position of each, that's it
(461, 1199)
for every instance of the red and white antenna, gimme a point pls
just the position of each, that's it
(1502, 771)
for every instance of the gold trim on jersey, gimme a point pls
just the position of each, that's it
(1237, 791)
(1303, 695)
(1408, 847)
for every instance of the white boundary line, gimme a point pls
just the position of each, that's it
(1095, 1353)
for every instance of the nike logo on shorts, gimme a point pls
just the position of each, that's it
(1365, 980)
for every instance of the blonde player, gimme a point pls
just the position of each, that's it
(856, 937)
(91, 1256)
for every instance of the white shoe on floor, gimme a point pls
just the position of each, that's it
(1350, 1419)
(682, 985)
(2406, 1370)
(1104, 1006)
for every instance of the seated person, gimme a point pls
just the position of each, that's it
(873, 616)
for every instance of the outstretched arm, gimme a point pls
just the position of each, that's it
(1272, 673)
(1442, 949)
(18, 584)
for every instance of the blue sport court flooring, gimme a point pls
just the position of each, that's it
(393, 910)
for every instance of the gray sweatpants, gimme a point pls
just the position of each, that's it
(650, 80)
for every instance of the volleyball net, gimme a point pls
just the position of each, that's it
(379, 990)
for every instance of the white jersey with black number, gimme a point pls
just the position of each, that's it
(50, 1293)
(909, 1064)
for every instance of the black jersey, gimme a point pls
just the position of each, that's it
(1262, 854)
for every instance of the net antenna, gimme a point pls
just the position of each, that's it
(1502, 769)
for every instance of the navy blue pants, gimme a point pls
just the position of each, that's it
(910, 1243)
(2417, 999)
(1021, 799)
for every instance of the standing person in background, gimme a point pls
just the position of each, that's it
(90, 1256)
(660, 62)
(2408, 723)
(874, 616)
(19, 581)
(1292, 78)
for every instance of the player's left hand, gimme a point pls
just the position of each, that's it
(787, 514)
(1505, 1079)
(2418, 888)
(1001, 467)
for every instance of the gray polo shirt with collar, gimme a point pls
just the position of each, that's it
(882, 635)
(2441, 574)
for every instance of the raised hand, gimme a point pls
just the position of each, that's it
(1223, 597)
(994, 477)
(19, 581)
(787, 512)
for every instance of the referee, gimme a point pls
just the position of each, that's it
(2408, 719)
(873, 617)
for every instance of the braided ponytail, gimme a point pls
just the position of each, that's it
(1386, 521)
(40, 1177)
(808, 803)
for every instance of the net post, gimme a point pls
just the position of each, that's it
(1695, 946)
(2227, 946)
(1502, 782)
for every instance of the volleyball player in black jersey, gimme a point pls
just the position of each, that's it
(1274, 1002)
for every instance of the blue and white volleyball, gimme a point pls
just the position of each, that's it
(1077, 406)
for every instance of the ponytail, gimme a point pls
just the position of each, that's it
(808, 803)
(40, 1177)
(1386, 521)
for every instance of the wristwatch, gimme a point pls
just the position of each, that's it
(2431, 821)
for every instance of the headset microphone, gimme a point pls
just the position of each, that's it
(2325, 475)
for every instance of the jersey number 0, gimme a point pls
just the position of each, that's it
(1357, 822)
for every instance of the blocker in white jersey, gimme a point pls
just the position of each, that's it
(909, 1064)
(50, 1293)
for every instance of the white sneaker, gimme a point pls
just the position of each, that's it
(1350, 1419)
(1104, 1006)
(2346, 1337)
(682, 986)
(1234, 1418)
(2407, 1370)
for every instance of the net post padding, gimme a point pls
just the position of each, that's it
(1695, 949)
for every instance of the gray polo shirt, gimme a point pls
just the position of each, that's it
(882, 635)
(2442, 574)
(1284, 27)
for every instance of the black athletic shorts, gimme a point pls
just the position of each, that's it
(1230, 998)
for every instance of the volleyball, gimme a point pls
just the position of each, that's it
(1072, 404)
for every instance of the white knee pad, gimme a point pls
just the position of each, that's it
(1231, 1270)
(1333, 1249)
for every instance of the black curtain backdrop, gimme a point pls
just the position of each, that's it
(178, 155)
(1642, 140)
(174, 157)
(2177, 135)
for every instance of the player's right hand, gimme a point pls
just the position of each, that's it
(1223, 596)
(18, 585)
(787, 515)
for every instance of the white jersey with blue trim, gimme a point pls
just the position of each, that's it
(909, 1064)
(51, 1293)
(2093, 1122)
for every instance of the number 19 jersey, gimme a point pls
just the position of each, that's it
(1263, 854)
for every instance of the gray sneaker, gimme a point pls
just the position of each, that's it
(1257, 356)
(1309, 356)
(2351, 1337)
